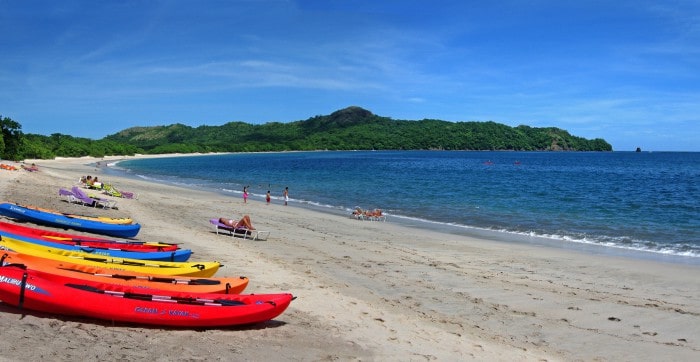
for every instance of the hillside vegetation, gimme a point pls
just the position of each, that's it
(352, 128)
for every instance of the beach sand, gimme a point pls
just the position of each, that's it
(370, 291)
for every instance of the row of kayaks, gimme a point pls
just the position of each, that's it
(50, 293)
(126, 281)
(48, 240)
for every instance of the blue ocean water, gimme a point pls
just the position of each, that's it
(648, 201)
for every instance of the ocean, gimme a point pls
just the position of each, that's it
(639, 203)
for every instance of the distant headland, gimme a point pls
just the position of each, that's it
(351, 128)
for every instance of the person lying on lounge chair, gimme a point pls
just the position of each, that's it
(32, 168)
(244, 222)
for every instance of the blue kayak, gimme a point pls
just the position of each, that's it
(75, 222)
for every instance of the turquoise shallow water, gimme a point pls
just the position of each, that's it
(623, 200)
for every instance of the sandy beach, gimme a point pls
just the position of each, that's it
(370, 291)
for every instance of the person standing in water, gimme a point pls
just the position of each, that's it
(286, 195)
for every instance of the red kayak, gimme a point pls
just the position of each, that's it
(83, 240)
(27, 289)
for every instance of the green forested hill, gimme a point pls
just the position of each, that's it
(352, 128)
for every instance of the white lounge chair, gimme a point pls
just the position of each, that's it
(245, 233)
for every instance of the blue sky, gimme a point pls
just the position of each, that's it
(625, 71)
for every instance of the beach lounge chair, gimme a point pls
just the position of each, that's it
(66, 194)
(69, 196)
(82, 198)
(112, 191)
(243, 232)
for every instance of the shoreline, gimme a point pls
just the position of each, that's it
(372, 290)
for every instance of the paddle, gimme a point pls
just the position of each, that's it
(92, 249)
(127, 242)
(164, 279)
(125, 262)
(158, 298)
(78, 240)
(151, 278)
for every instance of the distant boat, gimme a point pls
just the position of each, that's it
(638, 149)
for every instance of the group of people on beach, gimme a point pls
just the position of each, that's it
(268, 196)
(244, 222)
(94, 183)
(373, 215)
(91, 182)
(32, 168)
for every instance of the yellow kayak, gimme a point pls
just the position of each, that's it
(196, 269)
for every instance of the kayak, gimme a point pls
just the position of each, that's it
(200, 269)
(174, 255)
(57, 219)
(92, 274)
(107, 219)
(84, 240)
(27, 289)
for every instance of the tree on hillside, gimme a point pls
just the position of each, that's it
(11, 132)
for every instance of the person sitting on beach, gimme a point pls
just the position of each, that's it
(374, 215)
(377, 213)
(95, 184)
(244, 222)
(358, 213)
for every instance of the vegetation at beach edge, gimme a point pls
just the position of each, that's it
(351, 128)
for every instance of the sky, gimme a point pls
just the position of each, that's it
(627, 71)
